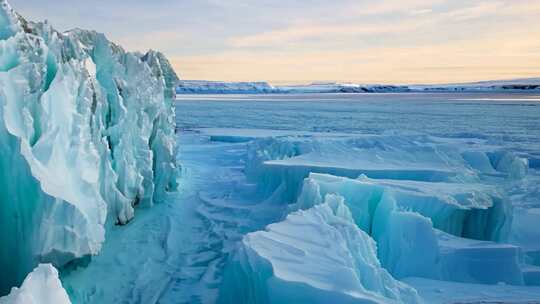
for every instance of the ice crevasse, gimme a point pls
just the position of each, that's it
(86, 134)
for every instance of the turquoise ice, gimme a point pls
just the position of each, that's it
(86, 134)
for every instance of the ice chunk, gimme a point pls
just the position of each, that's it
(283, 162)
(401, 215)
(288, 160)
(313, 256)
(514, 166)
(469, 210)
(42, 286)
(524, 232)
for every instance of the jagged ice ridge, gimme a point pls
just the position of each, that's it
(86, 134)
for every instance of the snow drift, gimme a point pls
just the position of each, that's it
(86, 134)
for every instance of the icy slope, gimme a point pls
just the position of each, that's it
(41, 286)
(86, 134)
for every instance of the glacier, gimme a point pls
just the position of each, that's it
(86, 134)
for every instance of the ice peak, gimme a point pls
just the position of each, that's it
(10, 23)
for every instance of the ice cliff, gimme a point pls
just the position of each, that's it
(86, 134)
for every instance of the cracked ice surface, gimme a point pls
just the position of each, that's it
(296, 215)
(440, 204)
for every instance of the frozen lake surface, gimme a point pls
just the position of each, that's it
(375, 198)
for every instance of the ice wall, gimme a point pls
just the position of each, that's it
(86, 134)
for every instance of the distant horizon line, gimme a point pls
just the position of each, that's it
(322, 82)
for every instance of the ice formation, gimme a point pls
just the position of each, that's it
(286, 263)
(427, 230)
(86, 134)
(41, 286)
(429, 207)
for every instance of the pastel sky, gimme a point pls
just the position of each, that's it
(287, 41)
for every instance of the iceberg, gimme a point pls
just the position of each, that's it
(41, 286)
(313, 256)
(86, 134)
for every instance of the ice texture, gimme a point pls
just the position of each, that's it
(42, 286)
(162, 68)
(284, 161)
(86, 134)
(433, 208)
(313, 256)
(428, 230)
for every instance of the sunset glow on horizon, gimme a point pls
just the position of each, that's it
(390, 41)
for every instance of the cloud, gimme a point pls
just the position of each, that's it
(372, 41)
(454, 61)
(298, 33)
(477, 11)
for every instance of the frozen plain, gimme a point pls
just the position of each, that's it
(349, 198)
